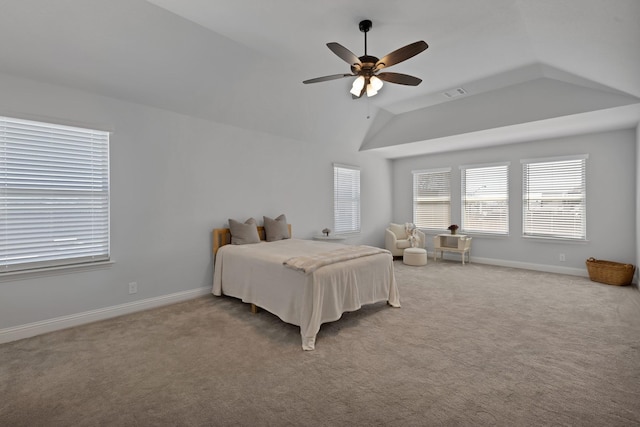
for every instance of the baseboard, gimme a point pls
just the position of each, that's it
(32, 329)
(524, 265)
(530, 266)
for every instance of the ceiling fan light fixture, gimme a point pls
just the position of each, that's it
(358, 84)
(376, 83)
(371, 91)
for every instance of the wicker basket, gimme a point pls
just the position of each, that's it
(609, 272)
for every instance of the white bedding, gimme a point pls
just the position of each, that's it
(255, 274)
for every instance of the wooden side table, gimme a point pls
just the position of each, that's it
(459, 243)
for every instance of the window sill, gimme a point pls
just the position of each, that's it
(475, 234)
(465, 232)
(556, 240)
(53, 271)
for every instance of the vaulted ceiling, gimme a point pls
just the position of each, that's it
(243, 62)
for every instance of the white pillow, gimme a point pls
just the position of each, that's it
(398, 230)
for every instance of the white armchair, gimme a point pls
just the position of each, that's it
(396, 239)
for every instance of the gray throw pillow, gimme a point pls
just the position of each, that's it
(276, 229)
(242, 234)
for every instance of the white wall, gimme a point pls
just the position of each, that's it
(611, 200)
(173, 179)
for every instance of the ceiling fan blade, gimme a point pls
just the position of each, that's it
(344, 53)
(401, 54)
(327, 78)
(402, 79)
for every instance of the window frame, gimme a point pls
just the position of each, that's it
(498, 175)
(346, 199)
(444, 200)
(562, 165)
(54, 196)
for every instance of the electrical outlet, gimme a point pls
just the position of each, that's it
(133, 287)
(561, 258)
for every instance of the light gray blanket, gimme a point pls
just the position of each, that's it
(309, 264)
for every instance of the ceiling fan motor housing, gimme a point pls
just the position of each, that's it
(367, 66)
(365, 25)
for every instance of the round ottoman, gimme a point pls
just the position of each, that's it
(415, 256)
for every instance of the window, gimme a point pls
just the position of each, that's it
(346, 199)
(485, 198)
(432, 198)
(554, 198)
(54, 195)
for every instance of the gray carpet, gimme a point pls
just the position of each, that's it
(472, 345)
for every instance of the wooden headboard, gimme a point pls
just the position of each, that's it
(222, 236)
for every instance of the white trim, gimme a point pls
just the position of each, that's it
(484, 165)
(342, 165)
(36, 328)
(103, 127)
(436, 170)
(555, 159)
(51, 271)
(554, 240)
(582, 272)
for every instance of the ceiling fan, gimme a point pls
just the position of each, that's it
(366, 68)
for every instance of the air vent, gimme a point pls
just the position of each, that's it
(454, 93)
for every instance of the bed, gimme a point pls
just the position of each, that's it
(256, 274)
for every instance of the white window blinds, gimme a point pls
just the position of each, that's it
(346, 199)
(432, 198)
(54, 195)
(554, 197)
(485, 199)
